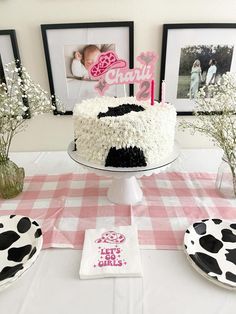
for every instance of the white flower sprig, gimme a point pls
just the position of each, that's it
(215, 111)
(20, 97)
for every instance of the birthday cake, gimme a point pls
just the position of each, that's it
(123, 132)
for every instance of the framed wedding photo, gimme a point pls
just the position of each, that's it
(71, 49)
(193, 56)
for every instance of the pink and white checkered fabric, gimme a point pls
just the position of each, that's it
(66, 205)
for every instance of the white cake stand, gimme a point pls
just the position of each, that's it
(124, 188)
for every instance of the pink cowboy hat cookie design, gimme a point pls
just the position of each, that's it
(106, 61)
(111, 237)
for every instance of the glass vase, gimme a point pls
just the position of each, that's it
(11, 179)
(226, 179)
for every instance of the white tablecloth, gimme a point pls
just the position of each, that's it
(169, 284)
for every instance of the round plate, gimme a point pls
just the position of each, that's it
(210, 245)
(20, 243)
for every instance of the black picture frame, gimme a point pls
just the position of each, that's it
(2, 73)
(11, 33)
(106, 33)
(9, 52)
(204, 42)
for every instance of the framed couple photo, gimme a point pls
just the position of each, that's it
(193, 56)
(71, 49)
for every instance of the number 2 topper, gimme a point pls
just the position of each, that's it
(110, 70)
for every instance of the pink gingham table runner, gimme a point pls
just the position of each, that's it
(66, 205)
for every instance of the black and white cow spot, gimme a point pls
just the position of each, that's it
(120, 110)
(10, 271)
(20, 239)
(32, 252)
(24, 225)
(17, 254)
(208, 263)
(228, 235)
(7, 238)
(231, 255)
(230, 276)
(211, 244)
(217, 221)
(125, 157)
(38, 233)
(200, 227)
(233, 226)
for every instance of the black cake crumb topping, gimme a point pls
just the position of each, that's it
(125, 157)
(120, 110)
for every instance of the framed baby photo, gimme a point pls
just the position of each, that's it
(70, 51)
(195, 56)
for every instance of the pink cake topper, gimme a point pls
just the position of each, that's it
(111, 237)
(113, 71)
(107, 60)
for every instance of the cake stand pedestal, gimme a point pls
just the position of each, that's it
(124, 188)
(125, 191)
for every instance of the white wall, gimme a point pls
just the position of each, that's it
(25, 16)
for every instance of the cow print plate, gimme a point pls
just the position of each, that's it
(20, 243)
(210, 245)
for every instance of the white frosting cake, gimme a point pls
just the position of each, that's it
(123, 132)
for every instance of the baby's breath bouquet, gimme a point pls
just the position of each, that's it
(215, 117)
(20, 98)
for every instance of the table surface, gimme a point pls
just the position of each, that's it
(169, 283)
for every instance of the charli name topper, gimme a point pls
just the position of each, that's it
(110, 70)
